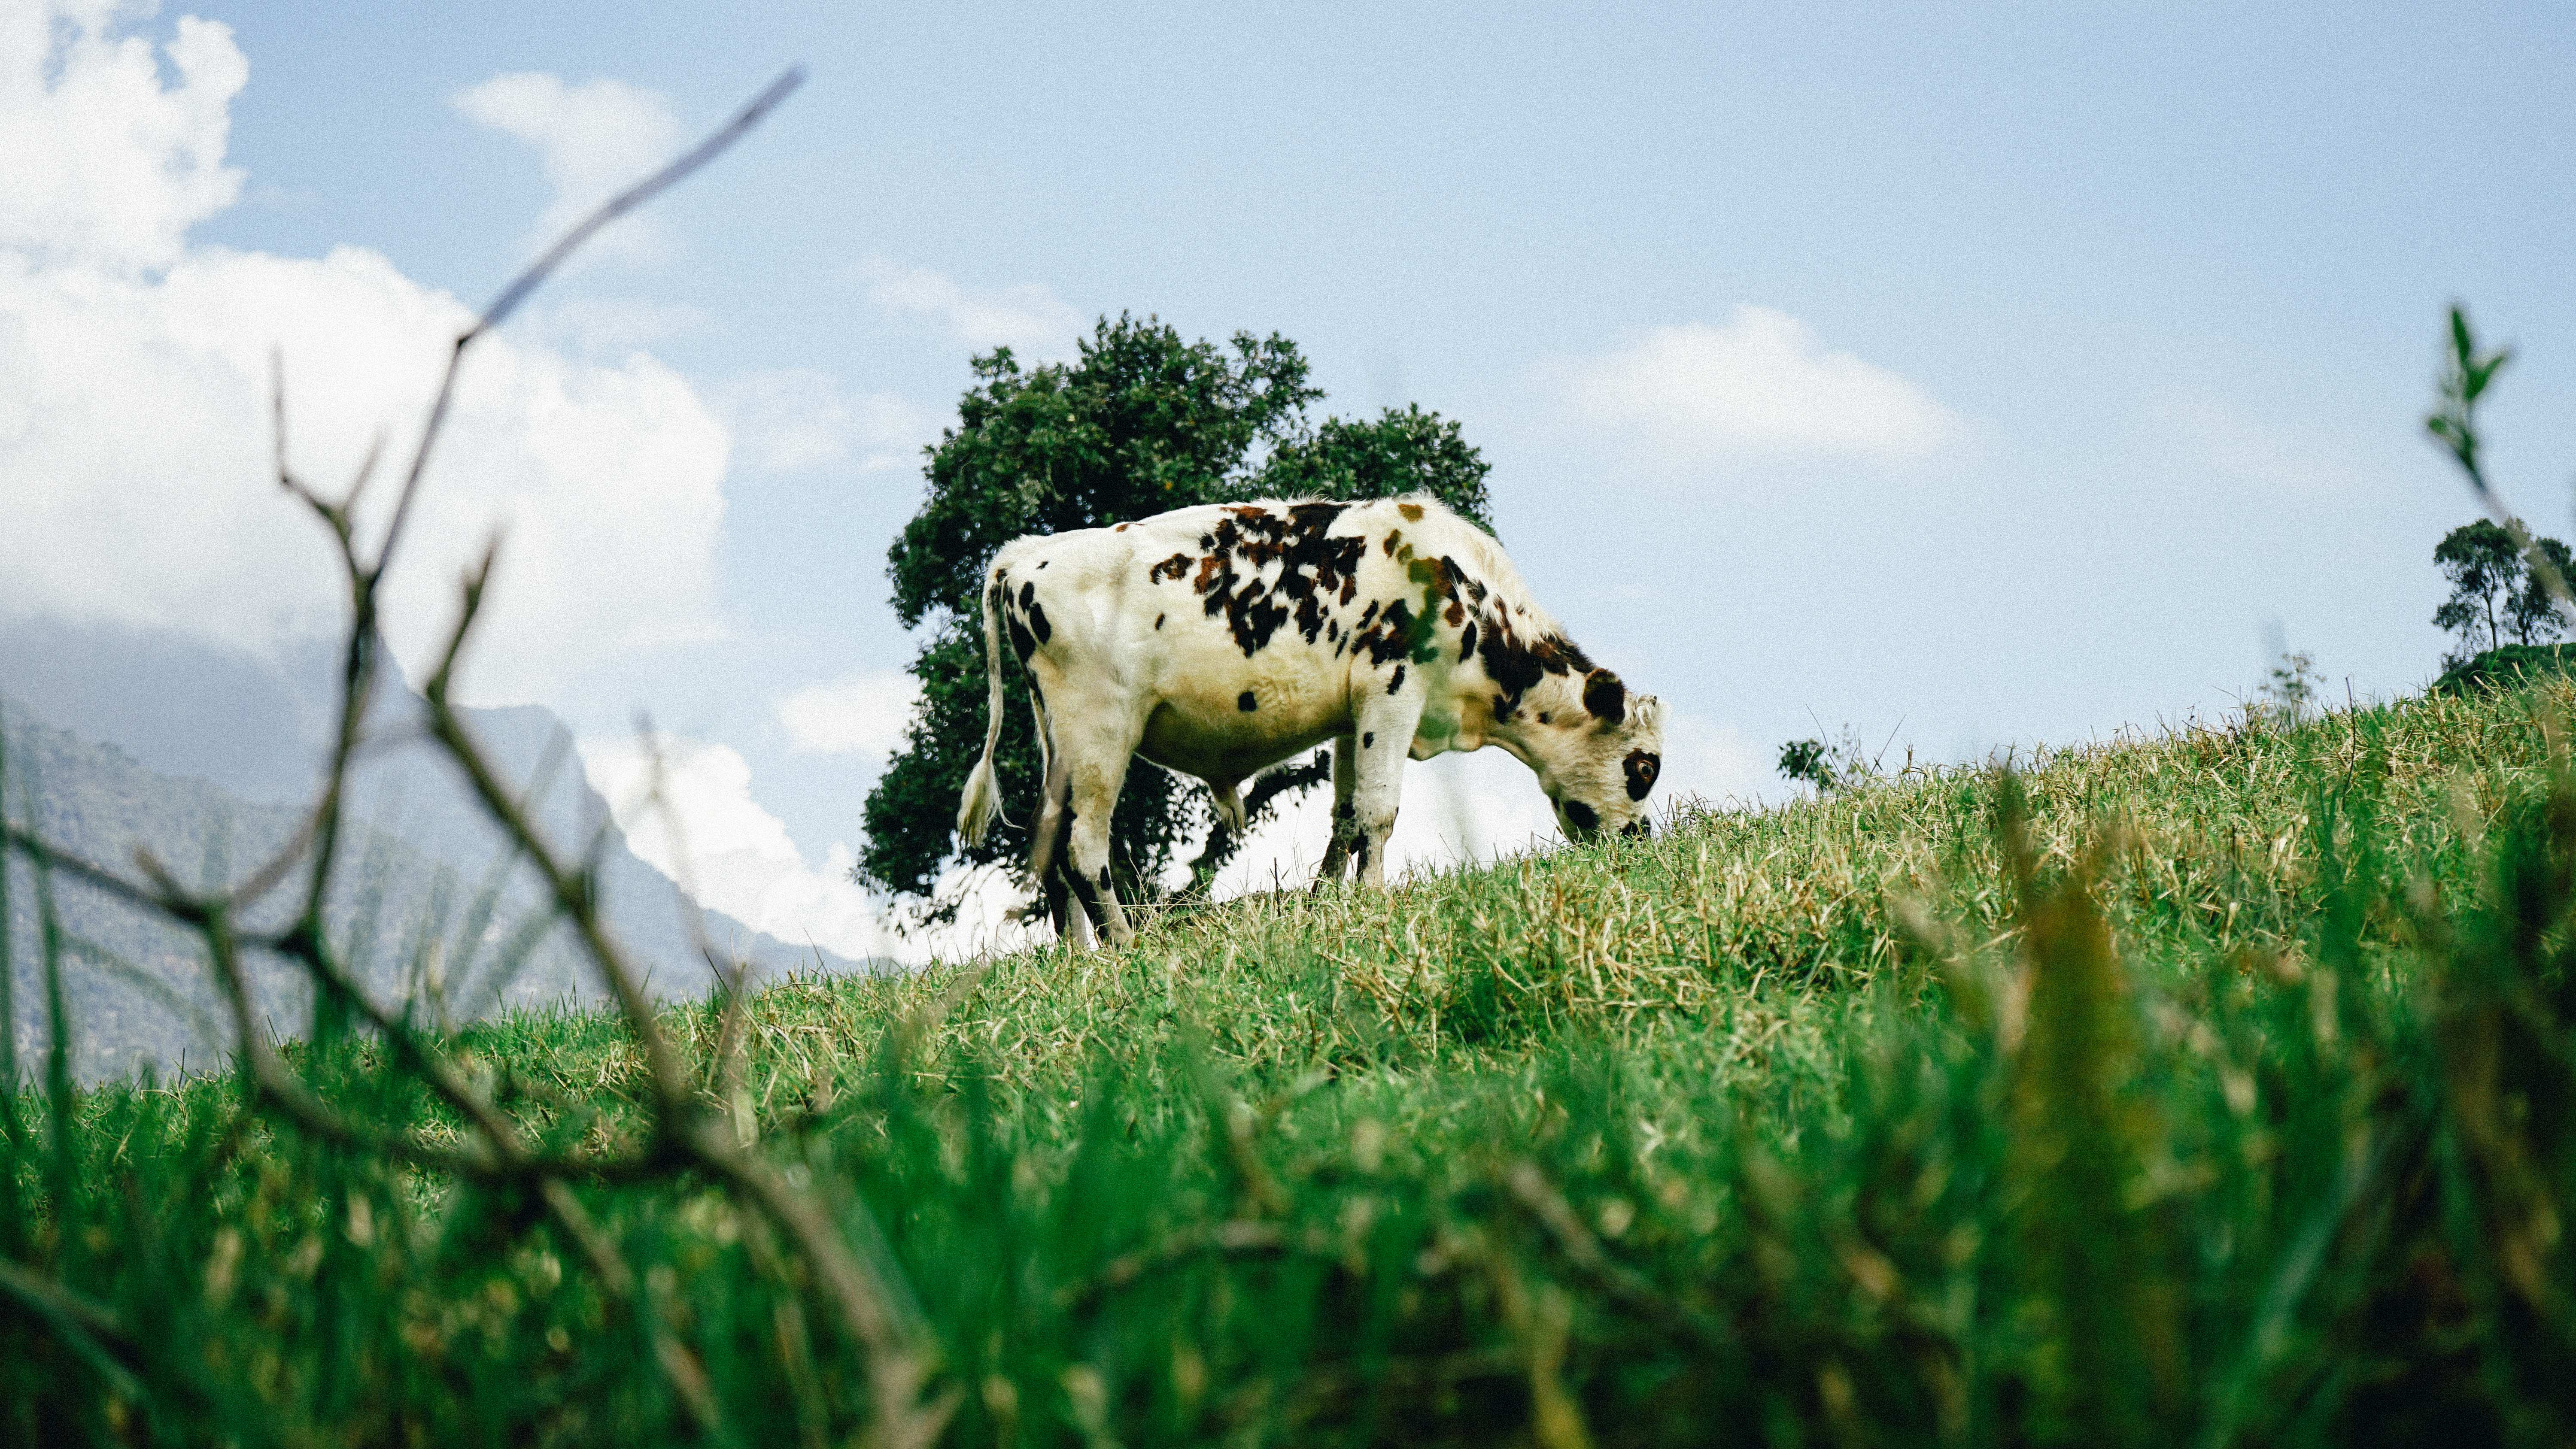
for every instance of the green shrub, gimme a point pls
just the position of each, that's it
(2505, 668)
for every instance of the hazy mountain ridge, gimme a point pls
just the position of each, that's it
(418, 910)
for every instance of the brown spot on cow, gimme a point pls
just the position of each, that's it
(1177, 566)
(1642, 767)
(1312, 567)
(1412, 512)
(1605, 696)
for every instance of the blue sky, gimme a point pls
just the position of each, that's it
(1966, 374)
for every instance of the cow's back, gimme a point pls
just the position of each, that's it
(1234, 633)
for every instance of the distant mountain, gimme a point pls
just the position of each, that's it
(206, 758)
(180, 706)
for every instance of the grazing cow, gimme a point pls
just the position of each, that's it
(1218, 641)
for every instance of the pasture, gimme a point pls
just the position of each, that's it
(2207, 1088)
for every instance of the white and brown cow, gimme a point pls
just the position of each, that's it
(1221, 640)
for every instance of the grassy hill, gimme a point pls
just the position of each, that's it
(2209, 1088)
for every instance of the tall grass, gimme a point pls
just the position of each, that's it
(2208, 1088)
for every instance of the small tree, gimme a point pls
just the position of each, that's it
(2494, 592)
(1842, 763)
(1141, 422)
(2290, 691)
(1808, 762)
(2486, 572)
(2534, 615)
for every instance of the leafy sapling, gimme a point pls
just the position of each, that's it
(2289, 692)
(1832, 766)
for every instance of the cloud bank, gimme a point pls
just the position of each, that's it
(2217, 435)
(727, 851)
(1484, 805)
(134, 402)
(1027, 318)
(102, 165)
(596, 138)
(1761, 384)
(862, 714)
(792, 419)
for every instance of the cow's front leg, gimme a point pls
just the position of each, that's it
(1386, 726)
(1072, 923)
(1052, 842)
(1337, 850)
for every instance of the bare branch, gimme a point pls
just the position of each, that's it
(897, 1362)
(90, 1330)
(528, 281)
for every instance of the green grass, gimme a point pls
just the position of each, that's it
(2206, 1089)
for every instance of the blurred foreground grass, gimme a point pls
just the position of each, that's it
(2204, 1088)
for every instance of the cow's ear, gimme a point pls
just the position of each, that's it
(1605, 696)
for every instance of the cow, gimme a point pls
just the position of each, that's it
(1220, 640)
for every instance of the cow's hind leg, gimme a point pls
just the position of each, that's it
(1337, 850)
(1099, 771)
(1072, 923)
(1050, 845)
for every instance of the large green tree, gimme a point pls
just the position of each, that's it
(1140, 422)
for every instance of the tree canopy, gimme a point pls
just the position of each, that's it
(2494, 591)
(1138, 423)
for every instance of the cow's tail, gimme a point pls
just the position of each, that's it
(982, 800)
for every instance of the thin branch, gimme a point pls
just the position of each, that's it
(528, 281)
(617, 1280)
(895, 1345)
(896, 1361)
(91, 1331)
(1623, 1284)
(56, 1301)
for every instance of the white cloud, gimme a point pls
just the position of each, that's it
(1027, 318)
(739, 859)
(730, 853)
(134, 432)
(597, 138)
(1714, 763)
(862, 714)
(795, 418)
(1462, 807)
(2225, 438)
(1762, 384)
(99, 162)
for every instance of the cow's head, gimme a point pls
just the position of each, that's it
(1599, 765)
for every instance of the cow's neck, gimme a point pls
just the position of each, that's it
(1555, 698)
